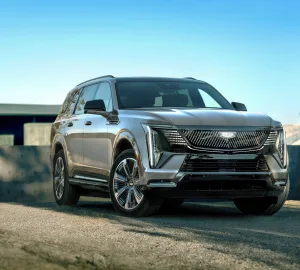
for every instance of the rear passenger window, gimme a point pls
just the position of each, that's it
(104, 93)
(87, 95)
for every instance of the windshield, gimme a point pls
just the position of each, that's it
(169, 94)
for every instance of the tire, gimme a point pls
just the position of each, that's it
(171, 204)
(66, 194)
(261, 206)
(127, 197)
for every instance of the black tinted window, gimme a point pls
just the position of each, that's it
(87, 95)
(169, 94)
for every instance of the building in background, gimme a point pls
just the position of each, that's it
(26, 124)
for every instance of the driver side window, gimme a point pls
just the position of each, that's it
(87, 95)
(104, 93)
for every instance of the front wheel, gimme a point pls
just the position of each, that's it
(126, 194)
(261, 206)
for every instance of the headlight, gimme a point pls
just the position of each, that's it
(281, 147)
(154, 146)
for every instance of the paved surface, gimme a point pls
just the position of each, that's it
(198, 236)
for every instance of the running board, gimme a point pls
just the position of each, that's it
(90, 178)
(88, 181)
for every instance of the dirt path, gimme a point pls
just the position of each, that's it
(198, 236)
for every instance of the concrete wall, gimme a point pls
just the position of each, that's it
(25, 173)
(37, 133)
(6, 140)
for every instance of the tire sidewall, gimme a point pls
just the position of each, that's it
(66, 176)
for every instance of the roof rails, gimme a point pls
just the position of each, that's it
(105, 76)
(190, 78)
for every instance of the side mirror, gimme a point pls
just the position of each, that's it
(94, 105)
(239, 106)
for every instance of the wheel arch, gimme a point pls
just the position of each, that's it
(57, 145)
(125, 140)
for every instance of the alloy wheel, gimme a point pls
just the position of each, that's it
(59, 178)
(127, 191)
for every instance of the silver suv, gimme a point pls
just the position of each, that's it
(153, 142)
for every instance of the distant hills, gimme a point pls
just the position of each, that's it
(292, 134)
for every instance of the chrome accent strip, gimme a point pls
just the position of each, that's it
(158, 185)
(271, 140)
(150, 146)
(212, 150)
(86, 182)
(90, 178)
(280, 183)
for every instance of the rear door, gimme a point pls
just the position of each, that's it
(75, 126)
(95, 138)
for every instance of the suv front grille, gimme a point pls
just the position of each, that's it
(224, 165)
(173, 137)
(214, 140)
(271, 140)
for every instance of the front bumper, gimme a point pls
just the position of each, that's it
(170, 181)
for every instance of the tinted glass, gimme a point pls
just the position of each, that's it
(87, 95)
(70, 101)
(104, 93)
(208, 100)
(169, 94)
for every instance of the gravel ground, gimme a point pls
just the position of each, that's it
(197, 236)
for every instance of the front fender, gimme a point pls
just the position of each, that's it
(128, 136)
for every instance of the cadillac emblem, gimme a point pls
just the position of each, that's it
(227, 134)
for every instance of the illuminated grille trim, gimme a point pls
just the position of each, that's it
(211, 139)
(174, 137)
(271, 140)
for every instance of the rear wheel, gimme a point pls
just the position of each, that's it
(126, 194)
(64, 193)
(261, 206)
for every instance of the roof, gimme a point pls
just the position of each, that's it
(29, 109)
(136, 79)
(156, 79)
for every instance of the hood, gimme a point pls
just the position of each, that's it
(208, 117)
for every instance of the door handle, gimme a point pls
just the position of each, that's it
(70, 124)
(88, 123)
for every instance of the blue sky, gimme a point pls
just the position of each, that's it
(249, 50)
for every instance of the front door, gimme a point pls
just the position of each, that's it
(95, 137)
(75, 127)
